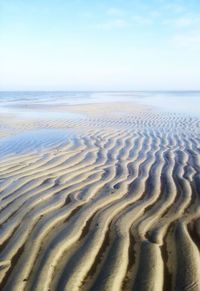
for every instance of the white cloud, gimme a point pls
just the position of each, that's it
(155, 14)
(188, 41)
(114, 20)
(183, 22)
(175, 7)
(141, 20)
(112, 24)
(115, 12)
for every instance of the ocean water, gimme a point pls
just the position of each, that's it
(187, 102)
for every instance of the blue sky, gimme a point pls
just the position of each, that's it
(99, 45)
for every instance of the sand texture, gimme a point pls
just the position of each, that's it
(113, 206)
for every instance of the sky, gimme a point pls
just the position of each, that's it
(99, 45)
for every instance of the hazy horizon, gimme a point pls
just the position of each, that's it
(104, 91)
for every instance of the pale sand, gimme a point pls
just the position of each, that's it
(115, 207)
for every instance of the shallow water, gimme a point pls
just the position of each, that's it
(34, 140)
(171, 101)
(35, 114)
(180, 102)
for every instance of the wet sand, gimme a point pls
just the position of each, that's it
(107, 200)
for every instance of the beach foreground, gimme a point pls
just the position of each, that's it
(103, 197)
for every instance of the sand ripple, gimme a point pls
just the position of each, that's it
(116, 208)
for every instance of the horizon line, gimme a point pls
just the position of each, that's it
(109, 91)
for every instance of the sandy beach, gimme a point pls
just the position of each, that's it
(99, 197)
